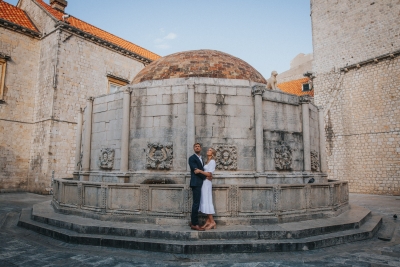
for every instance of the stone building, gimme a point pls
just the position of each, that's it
(299, 65)
(49, 63)
(356, 48)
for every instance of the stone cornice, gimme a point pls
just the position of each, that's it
(18, 28)
(371, 60)
(102, 42)
(118, 78)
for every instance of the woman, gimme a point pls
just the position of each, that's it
(206, 203)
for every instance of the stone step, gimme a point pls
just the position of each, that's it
(387, 229)
(351, 219)
(365, 231)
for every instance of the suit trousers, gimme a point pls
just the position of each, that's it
(196, 190)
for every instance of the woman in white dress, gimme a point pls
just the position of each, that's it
(206, 202)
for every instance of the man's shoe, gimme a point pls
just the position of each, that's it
(196, 227)
(190, 224)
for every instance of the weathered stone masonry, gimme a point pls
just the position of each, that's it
(40, 111)
(356, 64)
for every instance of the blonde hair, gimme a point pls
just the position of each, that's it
(214, 154)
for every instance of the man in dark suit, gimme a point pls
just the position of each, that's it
(196, 181)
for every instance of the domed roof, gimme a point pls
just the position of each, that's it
(199, 63)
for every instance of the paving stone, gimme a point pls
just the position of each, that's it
(19, 245)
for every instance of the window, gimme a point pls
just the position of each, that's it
(3, 64)
(114, 83)
(306, 87)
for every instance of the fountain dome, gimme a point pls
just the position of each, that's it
(199, 63)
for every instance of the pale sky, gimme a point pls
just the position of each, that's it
(266, 34)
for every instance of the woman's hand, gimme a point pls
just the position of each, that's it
(197, 171)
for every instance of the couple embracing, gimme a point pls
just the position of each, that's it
(200, 181)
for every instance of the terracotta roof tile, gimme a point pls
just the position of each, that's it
(86, 27)
(199, 63)
(16, 15)
(295, 87)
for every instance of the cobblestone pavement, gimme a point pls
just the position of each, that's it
(21, 247)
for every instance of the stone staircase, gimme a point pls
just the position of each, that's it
(354, 225)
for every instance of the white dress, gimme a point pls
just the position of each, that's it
(206, 201)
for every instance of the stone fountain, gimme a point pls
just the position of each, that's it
(133, 146)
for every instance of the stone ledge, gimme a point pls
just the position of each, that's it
(352, 219)
(237, 245)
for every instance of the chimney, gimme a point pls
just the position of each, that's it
(59, 5)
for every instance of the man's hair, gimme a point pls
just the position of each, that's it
(197, 144)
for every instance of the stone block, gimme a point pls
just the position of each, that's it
(174, 99)
(115, 105)
(243, 91)
(181, 89)
(98, 127)
(113, 135)
(246, 163)
(227, 90)
(100, 108)
(159, 110)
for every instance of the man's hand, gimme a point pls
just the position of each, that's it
(209, 178)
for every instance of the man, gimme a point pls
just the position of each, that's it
(196, 181)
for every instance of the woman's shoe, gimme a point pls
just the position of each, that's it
(211, 226)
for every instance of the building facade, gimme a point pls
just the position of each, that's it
(356, 48)
(50, 63)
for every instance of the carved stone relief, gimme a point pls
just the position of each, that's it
(106, 158)
(226, 157)
(314, 160)
(283, 157)
(159, 156)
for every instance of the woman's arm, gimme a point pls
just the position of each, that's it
(207, 174)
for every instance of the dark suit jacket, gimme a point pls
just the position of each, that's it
(195, 163)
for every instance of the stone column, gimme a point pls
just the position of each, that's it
(125, 131)
(78, 141)
(190, 137)
(305, 101)
(87, 139)
(257, 92)
(322, 145)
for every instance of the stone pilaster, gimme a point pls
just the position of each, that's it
(125, 131)
(305, 102)
(190, 121)
(78, 142)
(322, 145)
(257, 92)
(87, 139)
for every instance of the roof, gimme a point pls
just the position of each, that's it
(295, 87)
(86, 27)
(199, 63)
(16, 15)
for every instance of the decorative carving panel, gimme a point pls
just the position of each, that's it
(226, 157)
(234, 199)
(314, 160)
(106, 158)
(159, 157)
(283, 157)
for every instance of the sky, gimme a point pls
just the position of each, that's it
(267, 34)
